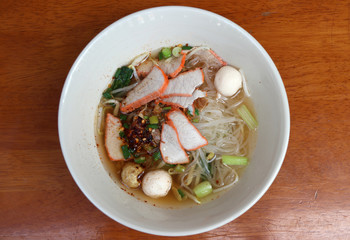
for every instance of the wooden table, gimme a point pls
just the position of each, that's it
(310, 44)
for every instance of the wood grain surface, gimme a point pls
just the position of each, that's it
(309, 42)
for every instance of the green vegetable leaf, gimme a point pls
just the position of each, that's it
(122, 117)
(121, 134)
(126, 151)
(186, 47)
(154, 126)
(122, 77)
(107, 94)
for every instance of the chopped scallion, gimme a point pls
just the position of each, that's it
(140, 160)
(179, 168)
(176, 51)
(125, 125)
(247, 117)
(153, 120)
(154, 126)
(166, 52)
(126, 151)
(166, 108)
(203, 189)
(195, 120)
(145, 117)
(234, 160)
(170, 165)
(210, 156)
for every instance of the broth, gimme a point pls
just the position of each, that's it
(170, 201)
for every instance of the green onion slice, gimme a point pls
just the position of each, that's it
(176, 51)
(234, 160)
(153, 120)
(247, 117)
(154, 126)
(166, 52)
(140, 160)
(203, 189)
(179, 168)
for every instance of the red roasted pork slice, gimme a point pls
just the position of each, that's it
(170, 147)
(144, 68)
(113, 141)
(184, 102)
(150, 88)
(172, 66)
(184, 84)
(207, 55)
(189, 136)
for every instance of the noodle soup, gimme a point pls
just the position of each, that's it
(173, 127)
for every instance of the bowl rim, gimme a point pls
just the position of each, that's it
(286, 130)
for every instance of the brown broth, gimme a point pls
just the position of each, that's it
(114, 171)
(114, 168)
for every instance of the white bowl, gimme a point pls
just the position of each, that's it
(116, 46)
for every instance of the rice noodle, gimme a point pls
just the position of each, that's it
(124, 89)
(136, 76)
(140, 59)
(108, 102)
(99, 120)
(218, 122)
(195, 59)
(196, 49)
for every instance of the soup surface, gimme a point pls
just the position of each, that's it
(175, 127)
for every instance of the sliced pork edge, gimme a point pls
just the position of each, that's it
(170, 146)
(150, 88)
(189, 136)
(183, 102)
(184, 84)
(113, 142)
